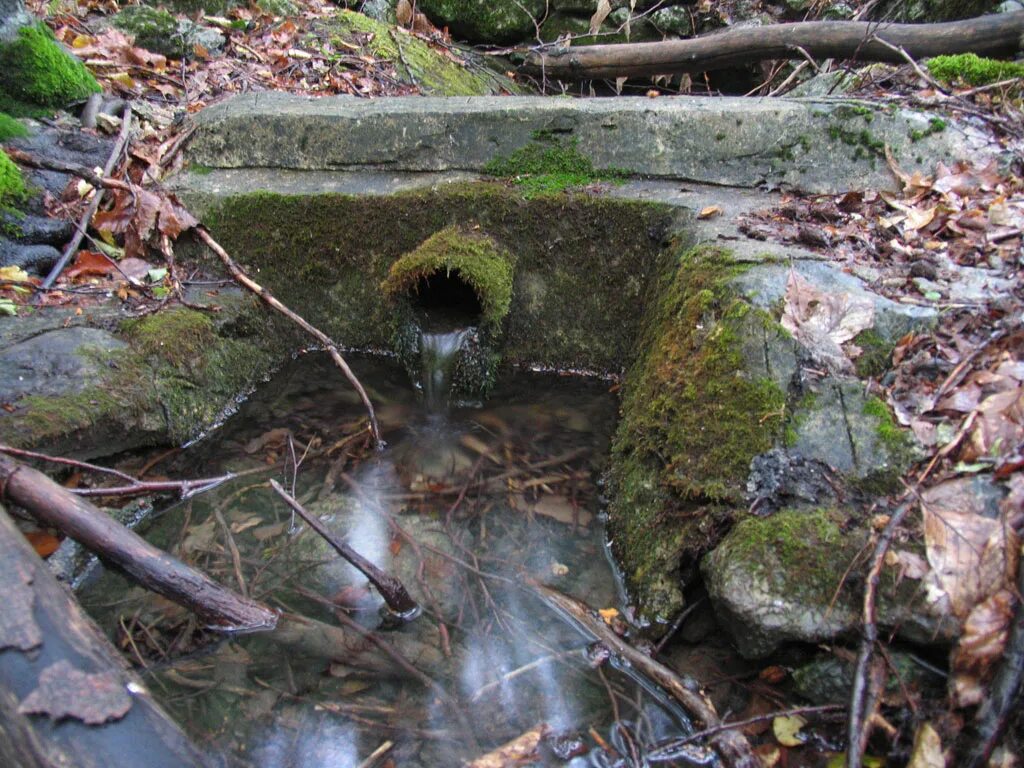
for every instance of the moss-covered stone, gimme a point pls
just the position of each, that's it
(971, 69)
(876, 353)
(791, 576)
(693, 417)
(37, 74)
(415, 62)
(11, 128)
(12, 185)
(486, 21)
(582, 263)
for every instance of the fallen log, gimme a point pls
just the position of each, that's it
(57, 507)
(733, 746)
(994, 35)
(45, 638)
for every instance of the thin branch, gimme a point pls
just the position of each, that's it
(76, 240)
(859, 717)
(906, 57)
(332, 349)
(390, 588)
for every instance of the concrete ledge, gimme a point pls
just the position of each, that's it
(819, 146)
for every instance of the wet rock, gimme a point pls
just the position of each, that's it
(780, 479)
(37, 230)
(784, 578)
(63, 145)
(34, 259)
(829, 680)
(54, 363)
(485, 21)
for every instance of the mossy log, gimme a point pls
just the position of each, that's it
(995, 35)
(42, 627)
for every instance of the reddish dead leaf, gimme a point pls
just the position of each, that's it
(174, 219)
(90, 264)
(981, 646)
(68, 692)
(45, 544)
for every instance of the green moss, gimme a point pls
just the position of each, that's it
(971, 69)
(863, 141)
(415, 62)
(889, 432)
(11, 128)
(935, 125)
(12, 185)
(692, 420)
(178, 336)
(199, 169)
(797, 546)
(547, 166)
(582, 263)
(849, 111)
(875, 355)
(154, 29)
(477, 260)
(486, 21)
(35, 72)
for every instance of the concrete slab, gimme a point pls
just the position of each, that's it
(815, 145)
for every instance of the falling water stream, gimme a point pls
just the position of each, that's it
(465, 506)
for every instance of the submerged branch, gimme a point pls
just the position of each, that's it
(390, 587)
(733, 747)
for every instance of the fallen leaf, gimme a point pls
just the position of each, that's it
(787, 730)
(981, 647)
(90, 264)
(604, 7)
(709, 211)
(45, 544)
(927, 752)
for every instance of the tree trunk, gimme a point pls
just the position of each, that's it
(42, 625)
(995, 35)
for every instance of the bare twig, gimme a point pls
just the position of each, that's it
(907, 58)
(860, 718)
(332, 349)
(72, 247)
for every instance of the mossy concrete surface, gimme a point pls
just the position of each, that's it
(769, 142)
(36, 74)
(582, 263)
(92, 391)
(785, 578)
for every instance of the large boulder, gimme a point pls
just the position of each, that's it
(37, 75)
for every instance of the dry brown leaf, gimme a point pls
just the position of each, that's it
(520, 750)
(604, 7)
(927, 749)
(709, 211)
(981, 647)
(823, 321)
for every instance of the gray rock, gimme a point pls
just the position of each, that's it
(673, 21)
(34, 259)
(783, 578)
(829, 680)
(54, 363)
(805, 144)
(12, 18)
(37, 230)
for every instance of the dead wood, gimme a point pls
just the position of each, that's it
(43, 627)
(390, 587)
(866, 682)
(733, 747)
(56, 507)
(993, 35)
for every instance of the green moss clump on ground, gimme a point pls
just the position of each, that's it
(179, 336)
(692, 420)
(545, 166)
(875, 355)
(971, 69)
(476, 258)
(11, 128)
(12, 185)
(415, 62)
(37, 74)
(935, 125)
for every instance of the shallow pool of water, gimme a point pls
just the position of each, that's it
(466, 507)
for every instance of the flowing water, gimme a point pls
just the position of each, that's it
(465, 506)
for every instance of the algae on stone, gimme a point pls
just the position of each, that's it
(37, 74)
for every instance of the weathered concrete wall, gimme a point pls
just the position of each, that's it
(816, 146)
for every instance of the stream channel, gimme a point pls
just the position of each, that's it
(466, 504)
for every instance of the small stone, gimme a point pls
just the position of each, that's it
(923, 268)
